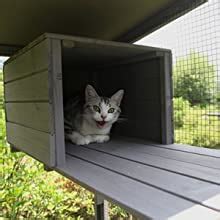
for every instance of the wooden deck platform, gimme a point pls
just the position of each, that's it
(149, 180)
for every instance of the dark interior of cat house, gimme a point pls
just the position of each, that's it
(139, 70)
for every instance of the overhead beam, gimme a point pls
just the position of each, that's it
(8, 50)
(163, 17)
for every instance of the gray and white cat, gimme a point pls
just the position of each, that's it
(92, 120)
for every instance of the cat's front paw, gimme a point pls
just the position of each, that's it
(101, 138)
(83, 141)
(78, 139)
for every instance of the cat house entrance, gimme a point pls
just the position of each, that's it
(142, 72)
(51, 70)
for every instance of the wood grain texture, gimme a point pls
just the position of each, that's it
(180, 185)
(186, 157)
(29, 62)
(191, 149)
(32, 142)
(174, 161)
(33, 115)
(56, 96)
(142, 200)
(32, 88)
(178, 155)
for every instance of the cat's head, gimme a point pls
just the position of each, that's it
(102, 111)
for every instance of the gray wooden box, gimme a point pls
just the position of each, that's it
(41, 76)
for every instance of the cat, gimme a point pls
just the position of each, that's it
(91, 120)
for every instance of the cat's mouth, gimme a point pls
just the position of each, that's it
(100, 123)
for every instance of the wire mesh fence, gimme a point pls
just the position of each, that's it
(195, 43)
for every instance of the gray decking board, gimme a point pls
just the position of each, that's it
(179, 147)
(200, 156)
(129, 151)
(189, 188)
(191, 149)
(186, 157)
(141, 199)
(169, 153)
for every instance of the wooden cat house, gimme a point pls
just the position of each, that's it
(140, 168)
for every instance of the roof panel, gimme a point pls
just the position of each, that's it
(22, 21)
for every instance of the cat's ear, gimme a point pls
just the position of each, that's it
(90, 93)
(117, 97)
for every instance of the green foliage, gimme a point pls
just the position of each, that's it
(218, 97)
(195, 92)
(180, 107)
(194, 79)
(193, 125)
(116, 212)
(28, 191)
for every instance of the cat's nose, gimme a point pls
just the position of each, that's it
(103, 116)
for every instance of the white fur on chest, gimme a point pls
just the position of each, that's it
(90, 129)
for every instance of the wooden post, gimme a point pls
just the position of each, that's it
(101, 208)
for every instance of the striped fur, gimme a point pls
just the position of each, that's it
(91, 120)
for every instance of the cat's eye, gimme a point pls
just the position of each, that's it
(96, 108)
(111, 110)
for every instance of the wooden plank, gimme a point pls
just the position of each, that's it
(101, 208)
(134, 151)
(191, 149)
(29, 62)
(34, 143)
(182, 186)
(33, 115)
(98, 43)
(184, 156)
(33, 88)
(167, 130)
(56, 97)
(142, 200)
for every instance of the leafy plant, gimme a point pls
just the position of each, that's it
(197, 128)
(180, 107)
(194, 79)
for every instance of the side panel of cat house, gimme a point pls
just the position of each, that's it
(143, 72)
(148, 100)
(53, 68)
(29, 91)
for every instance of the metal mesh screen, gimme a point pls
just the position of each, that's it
(195, 43)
